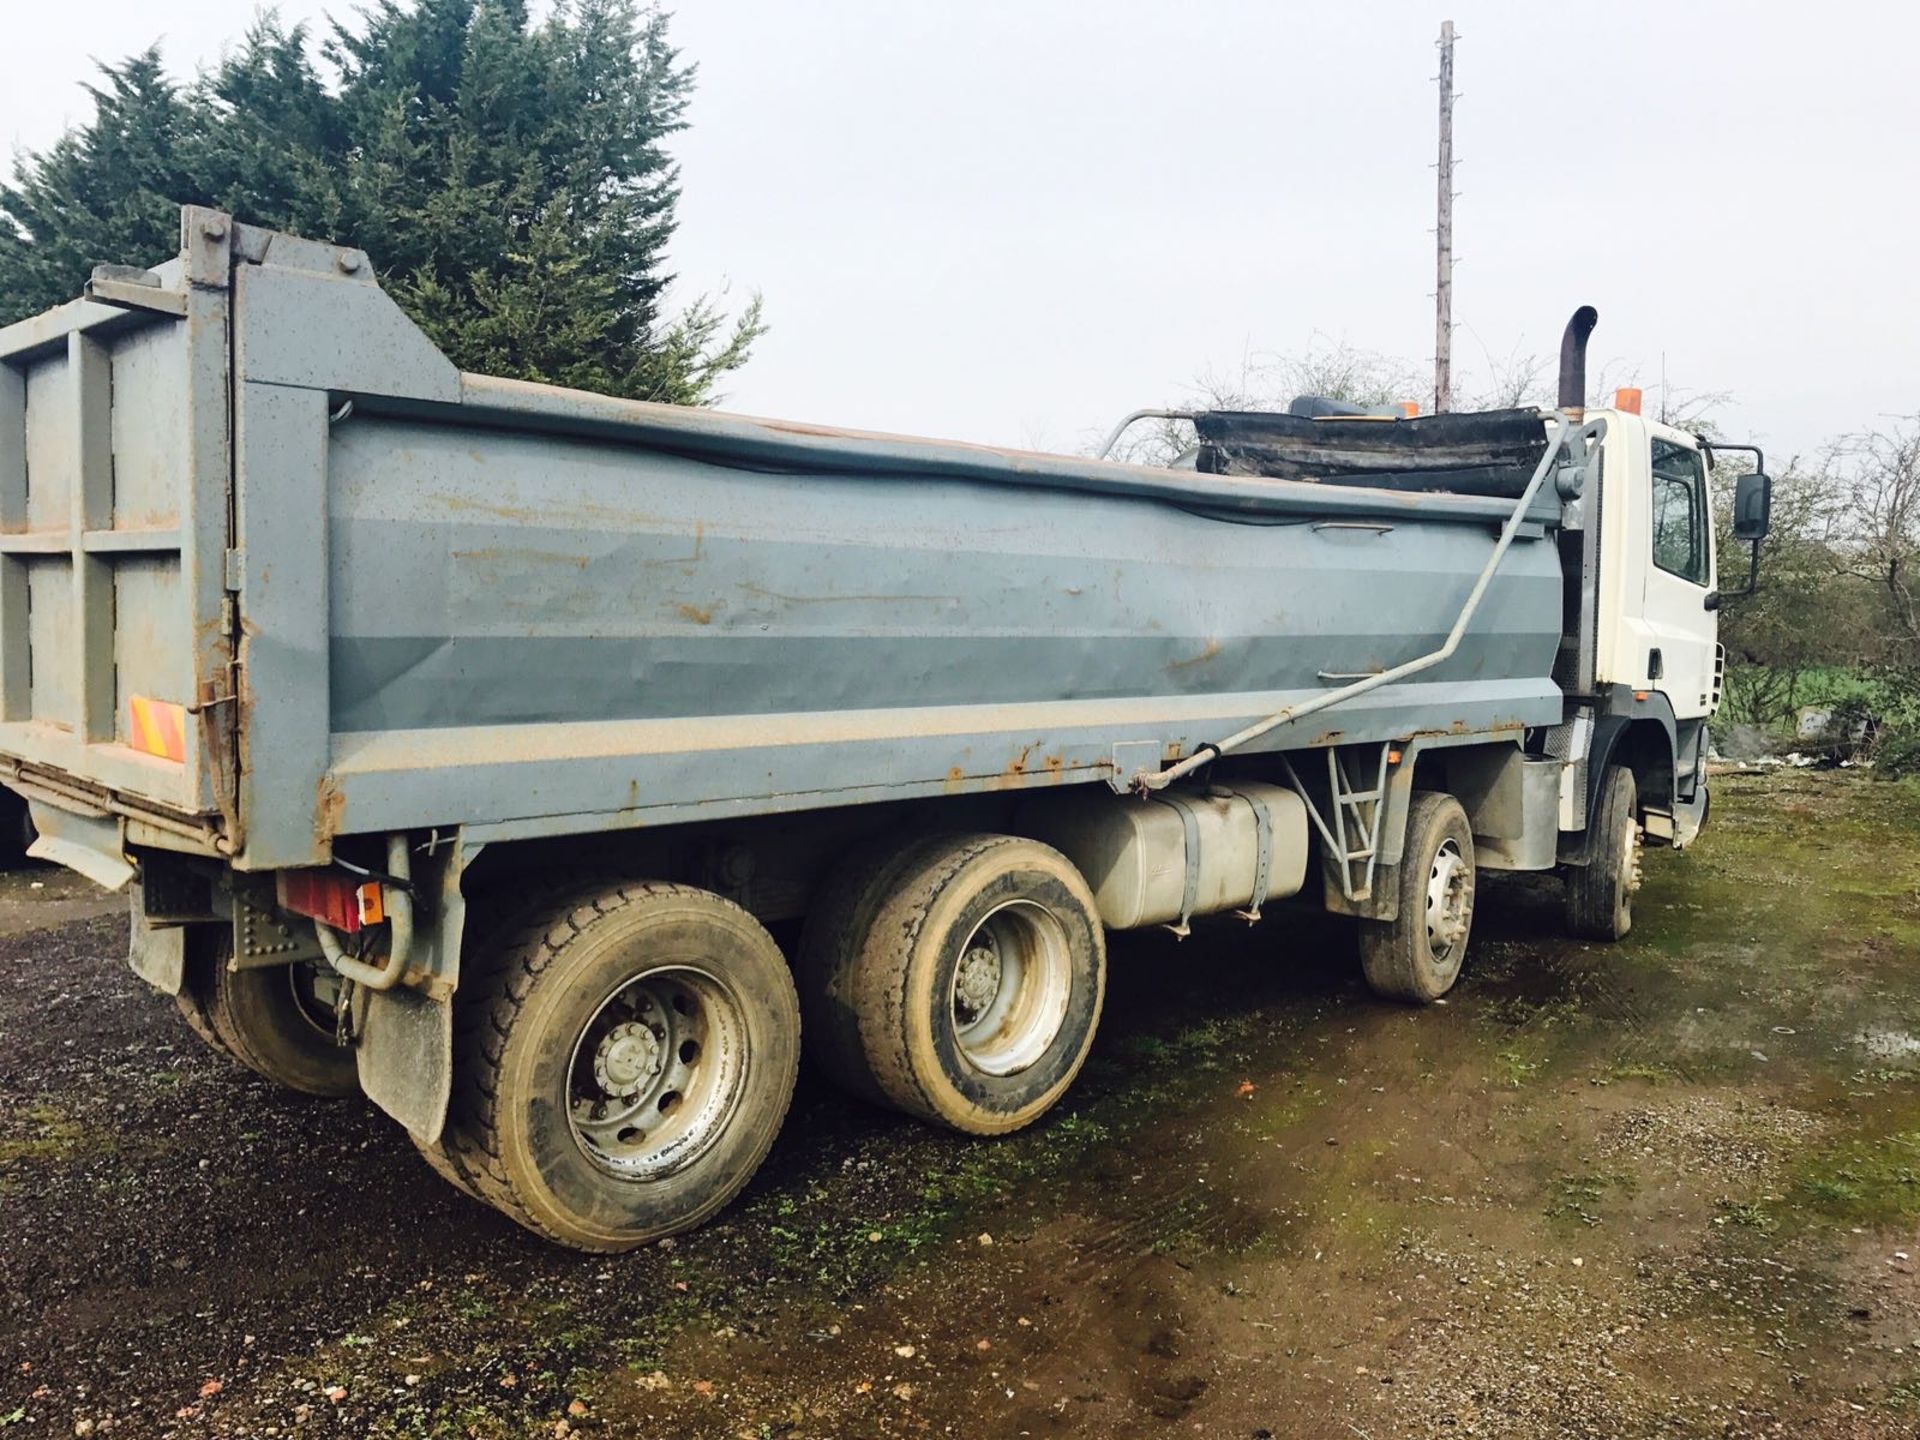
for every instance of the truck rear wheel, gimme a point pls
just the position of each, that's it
(276, 1021)
(1417, 955)
(1600, 892)
(196, 984)
(837, 928)
(966, 975)
(17, 833)
(635, 1058)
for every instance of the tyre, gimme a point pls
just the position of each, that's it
(194, 1012)
(493, 920)
(1417, 956)
(17, 832)
(831, 942)
(633, 1059)
(1600, 893)
(973, 970)
(196, 987)
(277, 1021)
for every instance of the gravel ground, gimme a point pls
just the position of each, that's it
(1666, 1188)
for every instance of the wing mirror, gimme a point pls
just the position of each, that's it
(1752, 507)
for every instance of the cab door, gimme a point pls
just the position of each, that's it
(1680, 628)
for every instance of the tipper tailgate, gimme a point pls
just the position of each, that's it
(114, 468)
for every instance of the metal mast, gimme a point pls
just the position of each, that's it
(1443, 234)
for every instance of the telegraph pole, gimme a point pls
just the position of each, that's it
(1443, 234)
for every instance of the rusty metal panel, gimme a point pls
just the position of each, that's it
(91, 379)
(148, 656)
(281, 490)
(531, 611)
(501, 578)
(149, 438)
(15, 669)
(206, 520)
(95, 405)
(50, 639)
(13, 447)
(52, 446)
(333, 328)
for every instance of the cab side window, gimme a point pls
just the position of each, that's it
(1679, 511)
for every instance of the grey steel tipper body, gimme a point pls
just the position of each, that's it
(294, 616)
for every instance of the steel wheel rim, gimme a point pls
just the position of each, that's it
(656, 1072)
(1012, 988)
(1447, 899)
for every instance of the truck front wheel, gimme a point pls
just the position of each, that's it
(633, 1059)
(960, 981)
(1600, 892)
(1417, 955)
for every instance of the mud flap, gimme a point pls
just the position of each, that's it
(1689, 816)
(92, 844)
(405, 1055)
(157, 954)
(404, 1036)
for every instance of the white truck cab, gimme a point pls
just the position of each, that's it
(1659, 589)
(1643, 664)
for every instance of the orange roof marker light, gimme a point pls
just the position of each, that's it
(1627, 399)
(157, 727)
(1409, 409)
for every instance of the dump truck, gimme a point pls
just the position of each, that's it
(458, 740)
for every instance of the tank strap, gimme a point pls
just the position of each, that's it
(1263, 864)
(1182, 806)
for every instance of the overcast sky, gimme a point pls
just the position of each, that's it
(1010, 221)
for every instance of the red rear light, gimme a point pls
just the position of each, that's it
(332, 897)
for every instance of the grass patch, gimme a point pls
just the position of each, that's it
(1514, 1068)
(1747, 1215)
(1863, 1181)
(1579, 1199)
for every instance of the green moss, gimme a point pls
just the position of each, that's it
(650, 1331)
(50, 1135)
(471, 1304)
(1905, 1395)
(1366, 1222)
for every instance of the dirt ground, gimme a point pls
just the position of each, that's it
(1668, 1188)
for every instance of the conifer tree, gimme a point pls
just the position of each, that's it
(510, 178)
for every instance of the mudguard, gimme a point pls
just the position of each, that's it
(403, 1037)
